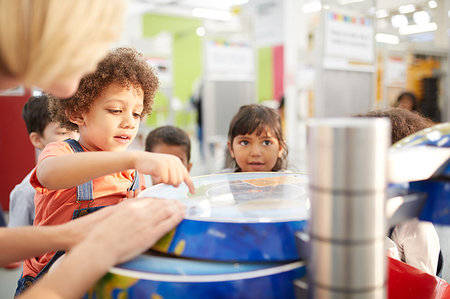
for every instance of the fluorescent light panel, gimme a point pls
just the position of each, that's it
(412, 29)
(381, 13)
(312, 7)
(387, 38)
(406, 8)
(213, 14)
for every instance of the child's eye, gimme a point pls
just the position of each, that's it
(243, 142)
(267, 142)
(136, 115)
(114, 111)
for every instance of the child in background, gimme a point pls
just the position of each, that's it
(75, 178)
(255, 140)
(417, 241)
(41, 131)
(170, 140)
(407, 100)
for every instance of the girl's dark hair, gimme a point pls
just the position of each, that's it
(123, 66)
(408, 95)
(168, 135)
(258, 119)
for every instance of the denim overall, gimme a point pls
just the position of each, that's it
(84, 195)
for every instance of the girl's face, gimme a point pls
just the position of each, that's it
(255, 152)
(112, 122)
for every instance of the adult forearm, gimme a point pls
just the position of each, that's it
(81, 268)
(20, 243)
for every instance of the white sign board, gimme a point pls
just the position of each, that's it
(395, 71)
(348, 37)
(230, 58)
(268, 22)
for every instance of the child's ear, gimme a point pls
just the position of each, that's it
(36, 140)
(189, 166)
(230, 149)
(280, 151)
(76, 119)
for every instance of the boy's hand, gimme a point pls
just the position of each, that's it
(164, 168)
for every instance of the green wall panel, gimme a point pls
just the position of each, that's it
(265, 74)
(187, 49)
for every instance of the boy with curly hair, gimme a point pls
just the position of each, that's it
(75, 178)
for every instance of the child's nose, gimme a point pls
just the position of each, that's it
(127, 121)
(256, 150)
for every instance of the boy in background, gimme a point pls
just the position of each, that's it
(170, 140)
(41, 131)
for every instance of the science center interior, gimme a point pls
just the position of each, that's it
(317, 228)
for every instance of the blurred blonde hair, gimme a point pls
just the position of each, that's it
(44, 41)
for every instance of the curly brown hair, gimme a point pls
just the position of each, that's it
(123, 66)
(404, 122)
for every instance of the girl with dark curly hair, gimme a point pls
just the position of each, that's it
(74, 178)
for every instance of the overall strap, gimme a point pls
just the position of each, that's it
(84, 191)
(135, 184)
(2, 218)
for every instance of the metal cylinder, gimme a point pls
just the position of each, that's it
(347, 168)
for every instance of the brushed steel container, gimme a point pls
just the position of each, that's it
(347, 168)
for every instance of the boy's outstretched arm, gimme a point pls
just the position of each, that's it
(68, 171)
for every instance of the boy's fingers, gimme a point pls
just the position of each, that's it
(189, 184)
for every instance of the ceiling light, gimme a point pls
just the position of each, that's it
(312, 7)
(213, 14)
(432, 4)
(412, 29)
(200, 31)
(399, 21)
(421, 17)
(239, 2)
(406, 8)
(381, 13)
(345, 2)
(387, 38)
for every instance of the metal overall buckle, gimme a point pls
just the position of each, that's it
(83, 211)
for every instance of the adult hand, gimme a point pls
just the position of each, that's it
(124, 231)
(134, 226)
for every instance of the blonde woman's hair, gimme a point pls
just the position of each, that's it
(43, 41)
